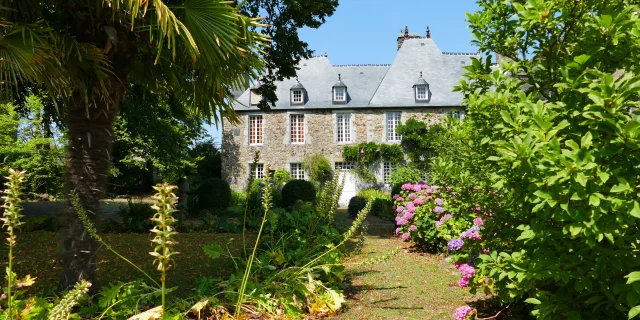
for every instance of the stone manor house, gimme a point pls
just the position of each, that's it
(329, 106)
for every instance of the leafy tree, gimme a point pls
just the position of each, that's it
(557, 119)
(26, 143)
(84, 55)
(152, 133)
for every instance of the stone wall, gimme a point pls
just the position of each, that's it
(367, 126)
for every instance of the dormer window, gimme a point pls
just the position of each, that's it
(254, 97)
(298, 93)
(421, 90)
(339, 92)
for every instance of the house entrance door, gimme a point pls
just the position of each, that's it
(350, 181)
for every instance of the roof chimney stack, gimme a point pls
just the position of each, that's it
(428, 33)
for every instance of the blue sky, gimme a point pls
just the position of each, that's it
(365, 31)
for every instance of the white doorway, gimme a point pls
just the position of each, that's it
(350, 188)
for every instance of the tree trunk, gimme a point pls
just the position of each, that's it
(90, 137)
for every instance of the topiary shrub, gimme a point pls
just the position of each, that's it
(214, 194)
(356, 204)
(281, 177)
(298, 190)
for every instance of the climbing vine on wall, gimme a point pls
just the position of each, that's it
(367, 154)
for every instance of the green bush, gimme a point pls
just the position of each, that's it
(281, 177)
(403, 174)
(319, 168)
(214, 194)
(382, 204)
(135, 216)
(356, 204)
(238, 198)
(298, 190)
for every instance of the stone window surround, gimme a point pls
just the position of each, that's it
(384, 125)
(334, 117)
(247, 129)
(287, 137)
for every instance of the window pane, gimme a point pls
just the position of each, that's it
(343, 127)
(297, 128)
(344, 166)
(257, 170)
(393, 119)
(386, 172)
(338, 94)
(297, 95)
(255, 129)
(296, 171)
(421, 93)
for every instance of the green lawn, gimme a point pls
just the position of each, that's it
(406, 285)
(37, 253)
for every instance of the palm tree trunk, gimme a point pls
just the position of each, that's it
(90, 137)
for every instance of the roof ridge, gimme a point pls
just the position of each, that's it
(460, 53)
(362, 65)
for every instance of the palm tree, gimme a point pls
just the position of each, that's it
(84, 54)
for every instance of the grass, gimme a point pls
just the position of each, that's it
(403, 285)
(37, 252)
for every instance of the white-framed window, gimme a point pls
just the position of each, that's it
(297, 128)
(343, 127)
(391, 124)
(458, 114)
(296, 96)
(255, 97)
(338, 94)
(256, 129)
(387, 167)
(421, 93)
(344, 166)
(257, 170)
(296, 171)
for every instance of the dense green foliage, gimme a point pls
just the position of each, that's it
(367, 154)
(214, 194)
(403, 174)
(356, 204)
(281, 177)
(319, 168)
(135, 216)
(381, 203)
(560, 144)
(298, 190)
(27, 142)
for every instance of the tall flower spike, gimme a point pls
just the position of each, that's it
(165, 203)
(12, 207)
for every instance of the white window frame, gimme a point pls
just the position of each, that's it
(257, 171)
(387, 168)
(421, 95)
(300, 138)
(344, 135)
(344, 166)
(297, 173)
(390, 133)
(300, 96)
(343, 90)
(458, 114)
(251, 131)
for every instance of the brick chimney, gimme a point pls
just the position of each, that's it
(404, 34)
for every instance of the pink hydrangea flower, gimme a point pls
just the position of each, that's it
(439, 223)
(438, 209)
(412, 196)
(402, 221)
(399, 209)
(478, 221)
(438, 201)
(398, 230)
(418, 202)
(463, 282)
(413, 228)
(417, 188)
(463, 312)
(408, 216)
(412, 209)
(405, 236)
(407, 186)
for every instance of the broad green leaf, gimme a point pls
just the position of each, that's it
(572, 144)
(636, 210)
(605, 21)
(586, 140)
(575, 229)
(633, 277)
(603, 176)
(581, 179)
(594, 200)
(533, 301)
(622, 186)
(634, 312)
(212, 251)
(542, 194)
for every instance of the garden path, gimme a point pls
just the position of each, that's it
(391, 280)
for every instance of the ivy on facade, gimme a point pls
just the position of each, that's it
(367, 154)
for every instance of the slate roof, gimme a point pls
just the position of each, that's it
(371, 86)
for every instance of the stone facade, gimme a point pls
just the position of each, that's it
(320, 137)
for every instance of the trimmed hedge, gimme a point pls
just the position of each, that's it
(214, 194)
(298, 190)
(356, 204)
